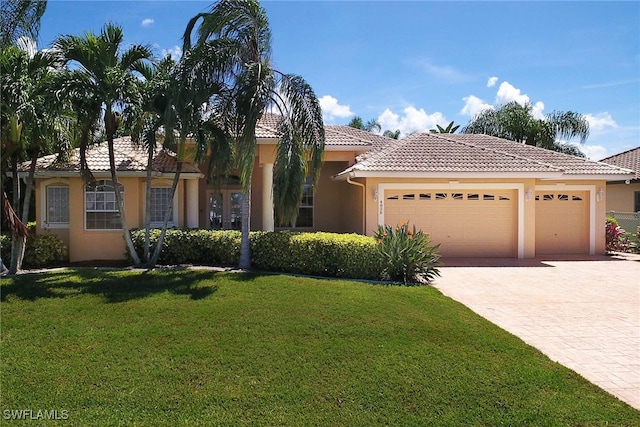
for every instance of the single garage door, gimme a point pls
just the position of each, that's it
(562, 222)
(467, 223)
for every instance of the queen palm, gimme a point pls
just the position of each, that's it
(20, 18)
(106, 76)
(241, 29)
(516, 122)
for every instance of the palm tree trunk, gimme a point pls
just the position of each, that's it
(17, 241)
(147, 210)
(245, 247)
(26, 204)
(167, 216)
(123, 218)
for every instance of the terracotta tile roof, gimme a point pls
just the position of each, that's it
(129, 157)
(629, 159)
(335, 135)
(462, 153)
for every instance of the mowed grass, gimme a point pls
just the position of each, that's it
(186, 347)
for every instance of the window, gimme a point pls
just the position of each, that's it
(101, 208)
(637, 202)
(57, 206)
(305, 212)
(408, 197)
(425, 196)
(160, 202)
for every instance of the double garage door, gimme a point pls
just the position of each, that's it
(484, 223)
(465, 223)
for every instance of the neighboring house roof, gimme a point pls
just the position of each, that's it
(129, 157)
(336, 136)
(450, 155)
(629, 159)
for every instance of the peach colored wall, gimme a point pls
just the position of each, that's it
(621, 196)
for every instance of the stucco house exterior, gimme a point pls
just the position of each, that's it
(624, 195)
(476, 195)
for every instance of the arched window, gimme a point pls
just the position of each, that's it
(101, 208)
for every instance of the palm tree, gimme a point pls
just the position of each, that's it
(449, 129)
(371, 126)
(107, 76)
(177, 99)
(516, 122)
(241, 28)
(31, 116)
(20, 18)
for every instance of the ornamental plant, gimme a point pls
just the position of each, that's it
(407, 253)
(613, 233)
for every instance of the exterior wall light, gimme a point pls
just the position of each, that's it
(529, 194)
(600, 195)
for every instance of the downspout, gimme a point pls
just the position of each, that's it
(364, 201)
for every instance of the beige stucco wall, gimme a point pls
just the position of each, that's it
(89, 245)
(621, 196)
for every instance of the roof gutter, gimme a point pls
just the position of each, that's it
(364, 202)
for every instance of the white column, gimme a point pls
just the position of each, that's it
(191, 216)
(267, 197)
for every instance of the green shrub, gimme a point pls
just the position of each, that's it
(407, 253)
(42, 250)
(192, 246)
(318, 254)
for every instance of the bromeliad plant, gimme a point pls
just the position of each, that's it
(613, 235)
(408, 254)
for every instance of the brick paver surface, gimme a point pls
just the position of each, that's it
(583, 313)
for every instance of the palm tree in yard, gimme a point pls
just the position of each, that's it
(108, 77)
(241, 29)
(178, 100)
(32, 120)
(20, 18)
(516, 122)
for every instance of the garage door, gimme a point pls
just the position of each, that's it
(466, 223)
(562, 222)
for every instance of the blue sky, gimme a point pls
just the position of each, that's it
(415, 64)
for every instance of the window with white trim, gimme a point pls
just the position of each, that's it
(101, 208)
(305, 211)
(160, 202)
(57, 206)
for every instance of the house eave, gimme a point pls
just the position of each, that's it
(107, 174)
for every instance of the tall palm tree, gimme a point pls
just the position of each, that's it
(109, 77)
(30, 117)
(177, 102)
(20, 18)
(516, 122)
(241, 28)
(371, 126)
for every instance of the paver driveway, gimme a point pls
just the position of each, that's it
(583, 313)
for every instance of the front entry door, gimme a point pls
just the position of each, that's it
(225, 210)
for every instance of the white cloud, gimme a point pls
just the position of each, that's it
(147, 22)
(473, 105)
(507, 93)
(593, 152)
(492, 81)
(332, 109)
(175, 52)
(413, 120)
(446, 73)
(600, 121)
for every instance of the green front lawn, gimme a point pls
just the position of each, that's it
(187, 347)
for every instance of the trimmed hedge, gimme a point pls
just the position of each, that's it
(318, 254)
(42, 250)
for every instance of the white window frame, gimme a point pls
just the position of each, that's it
(174, 212)
(86, 211)
(307, 184)
(44, 187)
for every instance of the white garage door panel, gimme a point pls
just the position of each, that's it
(466, 223)
(562, 222)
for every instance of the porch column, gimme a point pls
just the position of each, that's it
(191, 217)
(267, 197)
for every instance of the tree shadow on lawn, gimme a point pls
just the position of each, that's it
(114, 285)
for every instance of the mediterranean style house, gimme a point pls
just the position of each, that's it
(624, 195)
(476, 195)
